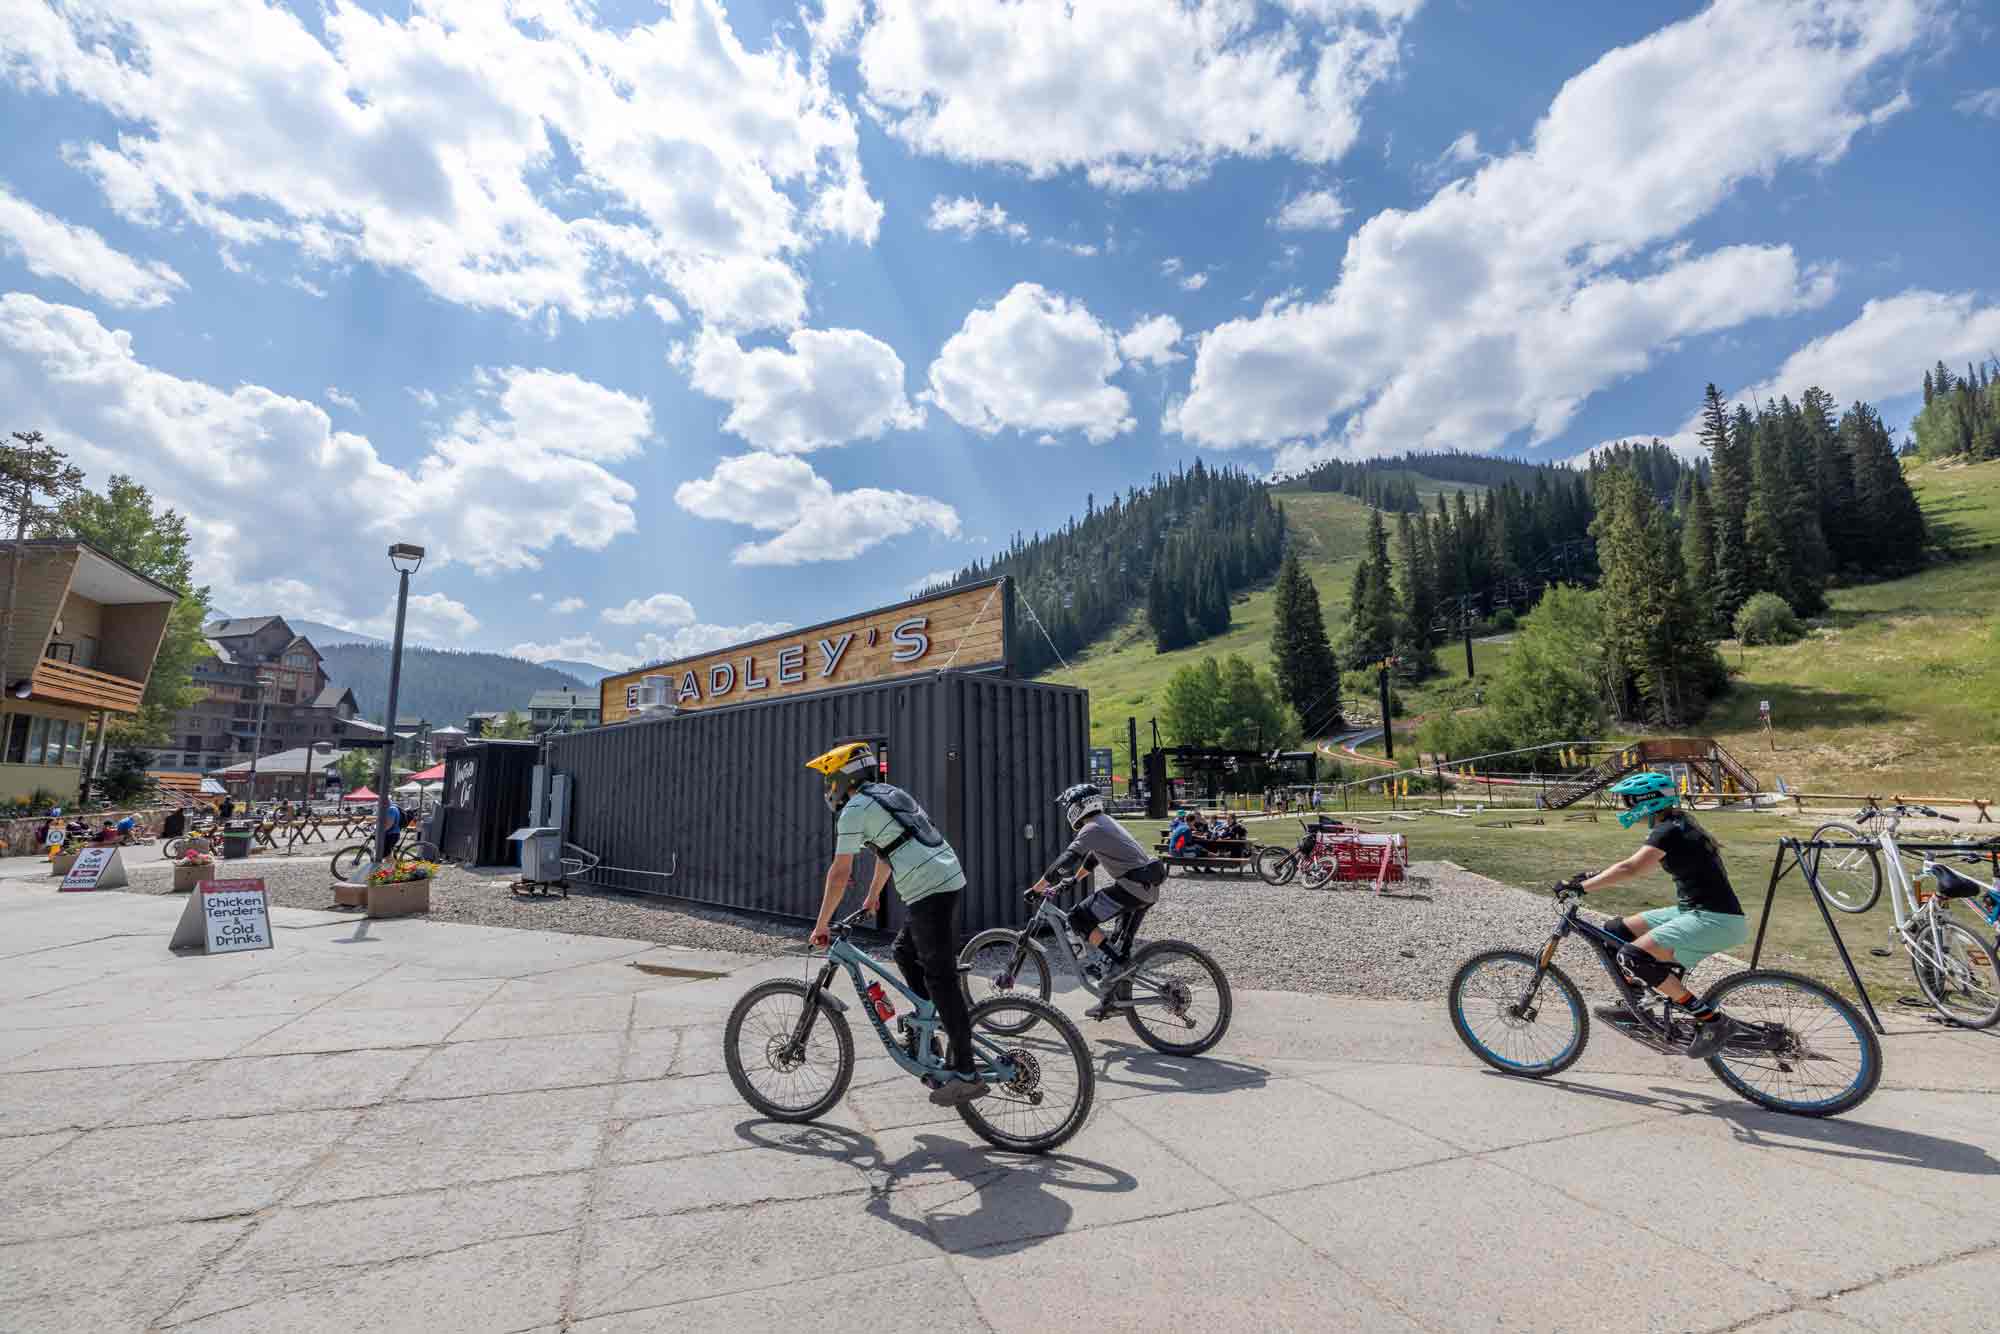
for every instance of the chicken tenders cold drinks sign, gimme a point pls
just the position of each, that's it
(966, 628)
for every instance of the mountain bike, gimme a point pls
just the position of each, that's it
(351, 863)
(1796, 1047)
(1174, 995)
(1958, 972)
(1277, 866)
(790, 1052)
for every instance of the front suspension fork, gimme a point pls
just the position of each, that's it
(802, 1031)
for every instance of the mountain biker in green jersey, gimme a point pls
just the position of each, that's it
(1662, 945)
(888, 822)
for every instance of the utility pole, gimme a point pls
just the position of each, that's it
(398, 554)
(1388, 723)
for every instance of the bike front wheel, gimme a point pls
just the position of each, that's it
(1958, 975)
(1849, 879)
(1277, 866)
(1515, 1033)
(1000, 962)
(784, 1082)
(1049, 1098)
(1180, 998)
(1318, 871)
(351, 863)
(1808, 1052)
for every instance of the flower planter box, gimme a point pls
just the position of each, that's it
(187, 877)
(63, 861)
(399, 898)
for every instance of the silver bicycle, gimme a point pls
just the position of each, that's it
(1954, 967)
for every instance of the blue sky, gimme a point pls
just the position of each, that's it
(663, 325)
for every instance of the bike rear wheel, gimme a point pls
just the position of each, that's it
(419, 851)
(1050, 1097)
(1544, 1039)
(1849, 879)
(1181, 996)
(782, 1084)
(1830, 1060)
(1962, 980)
(1277, 866)
(350, 864)
(1318, 870)
(999, 956)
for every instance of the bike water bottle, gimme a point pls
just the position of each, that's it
(880, 1000)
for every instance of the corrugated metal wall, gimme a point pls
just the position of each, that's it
(721, 798)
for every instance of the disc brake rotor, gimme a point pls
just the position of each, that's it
(778, 1054)
(1027, 1079)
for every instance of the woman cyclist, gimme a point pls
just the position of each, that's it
(1662, 945)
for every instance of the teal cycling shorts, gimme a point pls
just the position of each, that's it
(1695, 933)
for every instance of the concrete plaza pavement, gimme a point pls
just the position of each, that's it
(407, 1125)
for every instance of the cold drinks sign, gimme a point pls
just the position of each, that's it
(964, 628)
(224, 916)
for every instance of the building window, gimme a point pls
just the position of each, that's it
(73, 743)
(194, 742)
(192, 760)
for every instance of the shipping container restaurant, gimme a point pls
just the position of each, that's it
(713, 803)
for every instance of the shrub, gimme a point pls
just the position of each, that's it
(1361, 690)
(1503, 620)
(1768, 619)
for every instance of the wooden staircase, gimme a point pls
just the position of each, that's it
(1716, 771)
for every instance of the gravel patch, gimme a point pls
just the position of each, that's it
(1404, 944)
(1344, 940)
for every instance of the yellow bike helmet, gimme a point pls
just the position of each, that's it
(845, 768)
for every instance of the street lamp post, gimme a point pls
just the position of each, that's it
(414, 556)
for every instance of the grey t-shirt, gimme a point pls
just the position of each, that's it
(1103, 840)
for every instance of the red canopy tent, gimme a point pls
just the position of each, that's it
(434, 774)
(360, 794)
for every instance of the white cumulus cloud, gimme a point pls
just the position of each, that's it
(968, 217)
(565, 606)
(265, 477)
(1139, 94)
(52, 248)
(833, 386)
(781, 494)
(1508, 298)
(528, 159)
(1152, 341)
(659, 609)
(1033, 361)
(1315, 210)
(432, 618)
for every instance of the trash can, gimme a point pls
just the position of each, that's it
(235, 844)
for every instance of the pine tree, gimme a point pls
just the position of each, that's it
(1887, 517)
(1416, 610)
(1728, 445)
(1661, 655)
(1303, 658)
(1698, 553)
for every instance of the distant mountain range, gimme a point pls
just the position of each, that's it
(440, 686)
(323, 634)
(585, 672)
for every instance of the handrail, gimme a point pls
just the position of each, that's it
(85, 685)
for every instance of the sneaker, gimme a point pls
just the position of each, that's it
(1095, 964)
(960, 1089)
(1709, 1035)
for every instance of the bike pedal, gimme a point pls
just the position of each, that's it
(1883, 954)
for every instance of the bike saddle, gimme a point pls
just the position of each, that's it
(1952, 885)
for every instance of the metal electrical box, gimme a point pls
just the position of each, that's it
(541, 852)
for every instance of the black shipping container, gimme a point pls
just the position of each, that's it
(717, 806)
(487, 789)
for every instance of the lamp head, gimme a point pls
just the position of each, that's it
(404, 551)
(22, 688)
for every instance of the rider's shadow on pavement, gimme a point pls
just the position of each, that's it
(1127, 1065)
(954, 1195)
(1842, 1139)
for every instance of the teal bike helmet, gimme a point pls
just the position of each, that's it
(1644, 793)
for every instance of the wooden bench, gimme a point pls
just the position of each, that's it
(1213, 861)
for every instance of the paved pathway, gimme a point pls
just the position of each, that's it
(409, 1125)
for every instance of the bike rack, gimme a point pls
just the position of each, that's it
(1797, 847)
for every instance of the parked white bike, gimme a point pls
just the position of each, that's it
(1955, 968)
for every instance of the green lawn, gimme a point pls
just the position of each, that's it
(1897, 688)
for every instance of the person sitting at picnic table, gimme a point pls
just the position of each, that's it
(1181, 839)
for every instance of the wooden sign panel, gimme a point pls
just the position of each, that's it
(965, 628)
(224, 916)
(96, 868)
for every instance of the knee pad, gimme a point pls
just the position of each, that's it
(1646, 968)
